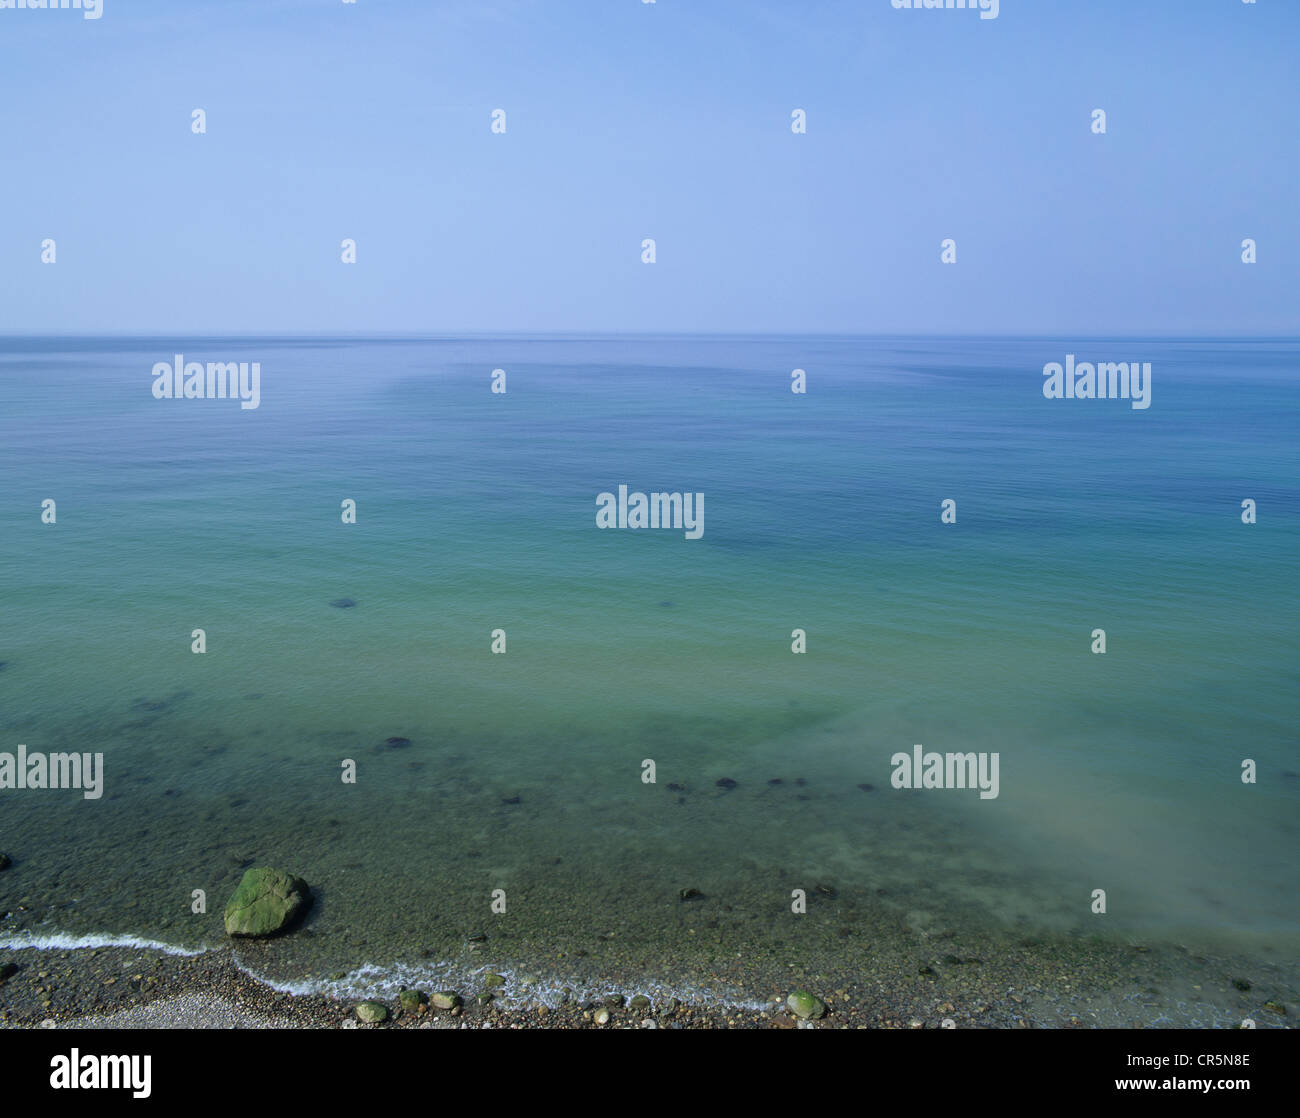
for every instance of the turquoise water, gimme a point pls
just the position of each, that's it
(523, 773)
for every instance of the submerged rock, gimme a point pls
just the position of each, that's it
(267, 901)
(372, 1012)
(805, 1005)
(343, 603)
(491, 980)
(5, 861)
(726, 783)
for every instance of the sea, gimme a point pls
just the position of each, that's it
(492, 733)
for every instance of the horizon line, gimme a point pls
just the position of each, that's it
(378, 335)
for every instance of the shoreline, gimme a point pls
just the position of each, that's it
(1065, 984)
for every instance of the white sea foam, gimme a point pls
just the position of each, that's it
(521, 987)
(59, 941)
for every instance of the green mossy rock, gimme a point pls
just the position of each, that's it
(411, 1000)
(803, 1004)
(266, 903)
(372, 1012)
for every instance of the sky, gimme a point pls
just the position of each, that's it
(671, 121)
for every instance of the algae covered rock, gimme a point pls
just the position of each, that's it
(372, 1012)
(805, 1005)
(411, 1001)
(267, 902)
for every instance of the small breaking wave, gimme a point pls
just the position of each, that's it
(521, 988)
(59, 941)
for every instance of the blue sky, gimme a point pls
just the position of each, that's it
(670, 120)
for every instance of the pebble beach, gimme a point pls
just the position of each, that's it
(916, 983)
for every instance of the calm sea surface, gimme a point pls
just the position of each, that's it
(523, 772)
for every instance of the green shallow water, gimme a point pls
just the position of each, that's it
(524, 770)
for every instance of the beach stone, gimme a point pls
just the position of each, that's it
(490, 980)
(601, 1017)
(267, 901)
(805, 1005)
(411, 1000)
(444, 999)
(372, 1012)
(7, 971)
(668, 1007)
(639, 1002)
